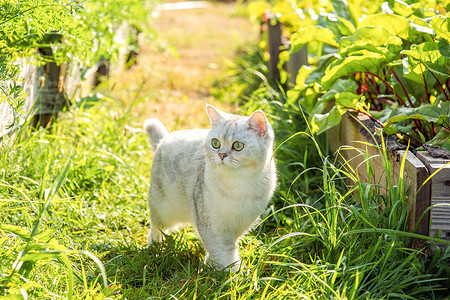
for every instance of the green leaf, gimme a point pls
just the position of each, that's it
(341, 9)
(300, 86)
(376, 36)
(345, 27)
(367, 62)
(23, 234)
(322, 122)
(425, 52)
(401, 8)
(444, 48)
(361, 49)
(256, 9)
(309, 99)
(438, 113)
(312, 34)
(340, 86)
(35, 256)
(428, 54)
(442, 139)
(343, 102)
(395, 24)
(302, 75)
(394, 45)
(348, 100)
(412, 81)
(441, 26)
(321, 65)
(402, 127)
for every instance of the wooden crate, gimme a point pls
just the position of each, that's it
(422, 193)
(440, 194)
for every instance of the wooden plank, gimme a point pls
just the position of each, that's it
(350, 133)
(296, 61)
(415, 174)
(274, 37)
(440, 194)
(29, 79)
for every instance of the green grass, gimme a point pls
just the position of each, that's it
(74, 221)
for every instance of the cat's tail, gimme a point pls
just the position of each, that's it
(156, 131)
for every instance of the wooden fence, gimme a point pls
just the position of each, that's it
(50, 87)
(276, 44)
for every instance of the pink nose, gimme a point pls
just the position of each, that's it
(222, 155)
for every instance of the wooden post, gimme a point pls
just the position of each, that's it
(51, 97)
(296, 61)
(274, 36)
(440, 194)
(103, 69)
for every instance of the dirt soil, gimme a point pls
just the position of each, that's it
(173, 76)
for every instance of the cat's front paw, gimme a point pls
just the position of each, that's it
(222, 266)
(155, 236)
(235, 267)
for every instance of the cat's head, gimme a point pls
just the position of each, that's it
(237, 141)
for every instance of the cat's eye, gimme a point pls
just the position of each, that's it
(238, 146)
(215, 143)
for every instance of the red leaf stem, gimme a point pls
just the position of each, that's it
(440, 84)
(402, 87)
(391, 89)
(426, 87)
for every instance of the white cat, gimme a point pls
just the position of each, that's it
(218, 180)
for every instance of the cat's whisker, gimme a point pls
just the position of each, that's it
(234, 163)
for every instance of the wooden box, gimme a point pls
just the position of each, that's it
(440, 194)
(423, 193)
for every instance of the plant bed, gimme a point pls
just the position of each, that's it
(354, 142)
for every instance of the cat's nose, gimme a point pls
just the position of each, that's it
(222, 155)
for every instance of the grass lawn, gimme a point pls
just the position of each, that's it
(74, 218)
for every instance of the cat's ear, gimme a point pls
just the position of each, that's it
(213, 114)
(258, 122)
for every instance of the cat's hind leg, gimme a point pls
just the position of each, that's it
(156, 227)
(157, 218)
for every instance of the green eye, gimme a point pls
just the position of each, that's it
(215, 143)
(238, 146)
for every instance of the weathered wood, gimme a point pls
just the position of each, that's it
(351, 133)
(50, 87)
(50, 98)
(296, 61)
(415, 175)
(103, 70)
(44, 87)
(72, 81)
(274, 39)
(440, 195)
(29, 79)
